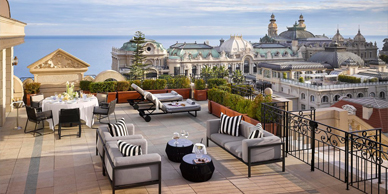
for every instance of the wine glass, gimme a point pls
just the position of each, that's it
(186, 134)
(176, 137)
(183, 133)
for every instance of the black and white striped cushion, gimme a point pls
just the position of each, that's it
(230, 125)
(128, 149)
(257, 132)
(118, 129)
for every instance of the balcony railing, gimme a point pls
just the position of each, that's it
(330, 87)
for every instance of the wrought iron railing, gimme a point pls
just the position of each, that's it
(357, 158)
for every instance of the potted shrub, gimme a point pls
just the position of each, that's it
(155, 86)
(214, 82)
(126, 92)
(84, 86)
(108, 87)
(199, 91)
(30, 89)
(181, 85)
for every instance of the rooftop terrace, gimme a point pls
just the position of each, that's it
(45, 164)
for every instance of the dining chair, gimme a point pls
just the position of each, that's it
(37, 117)
(67, 116)
(97, 110)
(36, 102)
(102, 100)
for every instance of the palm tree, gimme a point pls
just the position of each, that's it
(206, 73)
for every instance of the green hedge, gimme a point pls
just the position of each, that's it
(225, 88)
(137, 82)
(349, 79)
(84, 85)
(199, 84)
(123, 85)
(150, 84)
(178, 82)
(97, 87)
(212, 83)
(239, 103)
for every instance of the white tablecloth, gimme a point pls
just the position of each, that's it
(85, 109)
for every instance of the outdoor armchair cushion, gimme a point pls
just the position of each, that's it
(131, 175)
(103, 131)
(262, 154)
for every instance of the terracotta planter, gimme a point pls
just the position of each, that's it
(209, 106)
(112, 96)
(185, 92)
(216, 108)
(200, 95)
(27, 100)
(123, 96)
(250, 120)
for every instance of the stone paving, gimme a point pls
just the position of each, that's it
(45, 164)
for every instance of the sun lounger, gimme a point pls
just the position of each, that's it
(163, 97)
(157, 107)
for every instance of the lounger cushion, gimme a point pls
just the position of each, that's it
(128, 149)
(168, 97)
(172, 107)
(118, 129)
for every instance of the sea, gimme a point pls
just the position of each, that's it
(96, 50)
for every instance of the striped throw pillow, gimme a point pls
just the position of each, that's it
(257, 132)
(128, 149)
(230, 125)
(119, 128)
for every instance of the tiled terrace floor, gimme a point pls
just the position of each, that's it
(45, 164)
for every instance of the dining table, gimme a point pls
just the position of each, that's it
(85, 105)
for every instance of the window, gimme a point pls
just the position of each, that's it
(349, 95)
(254, 68)
(325, 99)
(282, 89)
(372, 94)
(177, 70)
(360, 95)
(382, 95)
(230, 68)
(260, 71)
(303, 96)
(336, 98)
(303, 107)
(370, 54)
(194, 70)
(237, 67)
(149, 49)
(246, 66)
(312, 98)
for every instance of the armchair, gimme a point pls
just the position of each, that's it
(36, 102)
(121, 170)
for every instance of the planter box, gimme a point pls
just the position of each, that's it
(215, 108)
(200, 95)
(271, 127)
(250, 120)
(112, 96)
(185, 92)
(123, 96)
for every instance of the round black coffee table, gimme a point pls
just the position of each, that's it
(176, 152)
(196, 172)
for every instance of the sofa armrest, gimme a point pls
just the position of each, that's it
(135, 160)
(266, 148)
(212, 126)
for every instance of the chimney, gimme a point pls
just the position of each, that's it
(367, 111)
(222, 41)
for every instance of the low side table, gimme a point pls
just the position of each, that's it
(194, 172)
(176, 152)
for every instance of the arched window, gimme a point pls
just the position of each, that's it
(382, 95)
(360, 95)
(246, 66)
(372, 94)
(349, 95)
(254, 68)
(312, 98)
(303, 96)
(336, 98)
(325, 99)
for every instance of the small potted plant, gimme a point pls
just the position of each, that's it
(31, 89)
(199, 91)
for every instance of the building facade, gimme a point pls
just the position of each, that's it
(11, 34)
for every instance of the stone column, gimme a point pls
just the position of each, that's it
(2, 86)
(9, 79)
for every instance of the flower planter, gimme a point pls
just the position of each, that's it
(123, 96)
(200, 95)
(112, 96)
(250, 120)
(28, 99)
(185, 92)
(215, 108)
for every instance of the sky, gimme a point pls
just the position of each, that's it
(198, 17)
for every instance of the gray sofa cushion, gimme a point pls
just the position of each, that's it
(221, 139)
(126, 176)
(262, 154)
(235, 147)
(245, 129)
